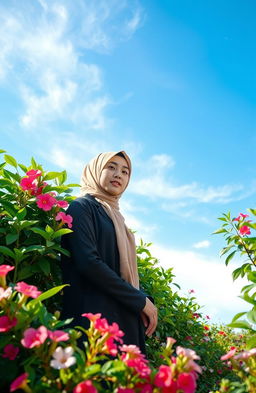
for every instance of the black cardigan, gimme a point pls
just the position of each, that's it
(94, 275)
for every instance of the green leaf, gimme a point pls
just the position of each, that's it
(51, 175)
(8, 207)
(26, 224)
(48, 229)
(46, 295)
(10, 160)
(253, 211)
(251, 343)
(239, 315)
(21, 214)
(11, 238)
(61, 232)
(220, 230)
(61, 250)
(251, 315)
(252, 276)
(228, 259)
(6, 251)
(41, 232)
(45, 266)
(2, 151)
(35, 247)
(240, 324)
(33, 163)
(62, 177)
(23, 167)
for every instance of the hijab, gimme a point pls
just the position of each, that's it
(90, 184)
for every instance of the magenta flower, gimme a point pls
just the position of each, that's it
(186, 382)
(10, 352)
(28, 183)
(5, 269)
(19, 383)
(62, 204)
(5, 293)
(45, 201)
(125, 390)
(58, 335)
(133, 358)
(85, 387)
(6, 323)
(241, 217)
(27, 290)
(91, 317)
(228, 355)
(65, 218)
(244, 230)
(34, 173)
(34, 337)
(163, 377)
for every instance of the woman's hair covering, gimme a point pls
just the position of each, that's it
(90, 184)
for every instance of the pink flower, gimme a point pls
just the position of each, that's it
(186, 382)
(163, 377)
(27, 290)
(34, 337)
(6, 323)
(58, 335)
(19, 382)
(65, 218)
(125, 390)
(5, 269)
(10, 352)
(34, 172)
(245, 354)
(91, 317)
(45, 201)
(207, 317)
(101, 324)
(169, 342)
(133, 358)
(191, 291)
(85, 387)
(188, 338)
(28, 183)
(39, 190)
(144, 387)
(244, 230)
(62, 204)
(241, 217)
(62, 358)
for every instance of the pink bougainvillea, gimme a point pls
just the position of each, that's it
(7, 323)
(19, 383)
(27, 290)
(10, 352)
(64, 218)
(45, 201)
(85, 387)
(34, 337)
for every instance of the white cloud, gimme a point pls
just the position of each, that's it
(202, 244)
(209, 277)
(40, 58)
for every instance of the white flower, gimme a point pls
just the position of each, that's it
(5, 293)
(62, 358)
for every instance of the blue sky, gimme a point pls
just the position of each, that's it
(171, 82)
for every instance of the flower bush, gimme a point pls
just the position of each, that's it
(38, 352)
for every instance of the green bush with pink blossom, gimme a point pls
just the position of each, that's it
(37, 350)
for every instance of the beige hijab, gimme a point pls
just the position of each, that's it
(90, 184)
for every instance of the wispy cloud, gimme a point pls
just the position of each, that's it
(202, 244)
(40, 57)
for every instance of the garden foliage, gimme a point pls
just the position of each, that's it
(37, 350)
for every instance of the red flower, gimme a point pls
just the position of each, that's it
(244, 230)
(188, 338)
(163, 377)
(222, 333)
(186, 382)
(34, 172)
(27, 290)
(58, 335)
(19, 382)
(6, 323)
(196, 315)
(45, 201)
(65, 218)
(85, 387)
(5, 269)
(10, 352)
(34, 337)
(125, 390)
(206, 327)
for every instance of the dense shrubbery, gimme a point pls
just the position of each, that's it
(31, 343)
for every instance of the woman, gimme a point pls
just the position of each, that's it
(102, 270)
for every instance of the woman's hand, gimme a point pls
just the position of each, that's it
(149, 317)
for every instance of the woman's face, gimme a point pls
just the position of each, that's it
(115, 176)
